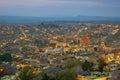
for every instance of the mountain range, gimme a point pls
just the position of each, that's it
(37, 20)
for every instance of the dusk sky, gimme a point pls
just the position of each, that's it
(59, 7)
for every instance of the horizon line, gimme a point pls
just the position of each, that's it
(59, 16)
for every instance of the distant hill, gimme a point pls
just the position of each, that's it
(37, 20)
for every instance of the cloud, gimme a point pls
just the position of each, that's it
(22, 2)
(94, 2)
(89, 3)
(59, 7)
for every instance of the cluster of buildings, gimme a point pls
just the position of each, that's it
(54, 46)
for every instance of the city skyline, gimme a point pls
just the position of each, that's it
(53, 8)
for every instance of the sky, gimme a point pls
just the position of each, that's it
(48, 8)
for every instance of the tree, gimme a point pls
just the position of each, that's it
(27, 73)
(87, 66)
(72, 64)
(67, 74)
(1, 73)
(46, 77)
(6, 57)
(101, 64)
